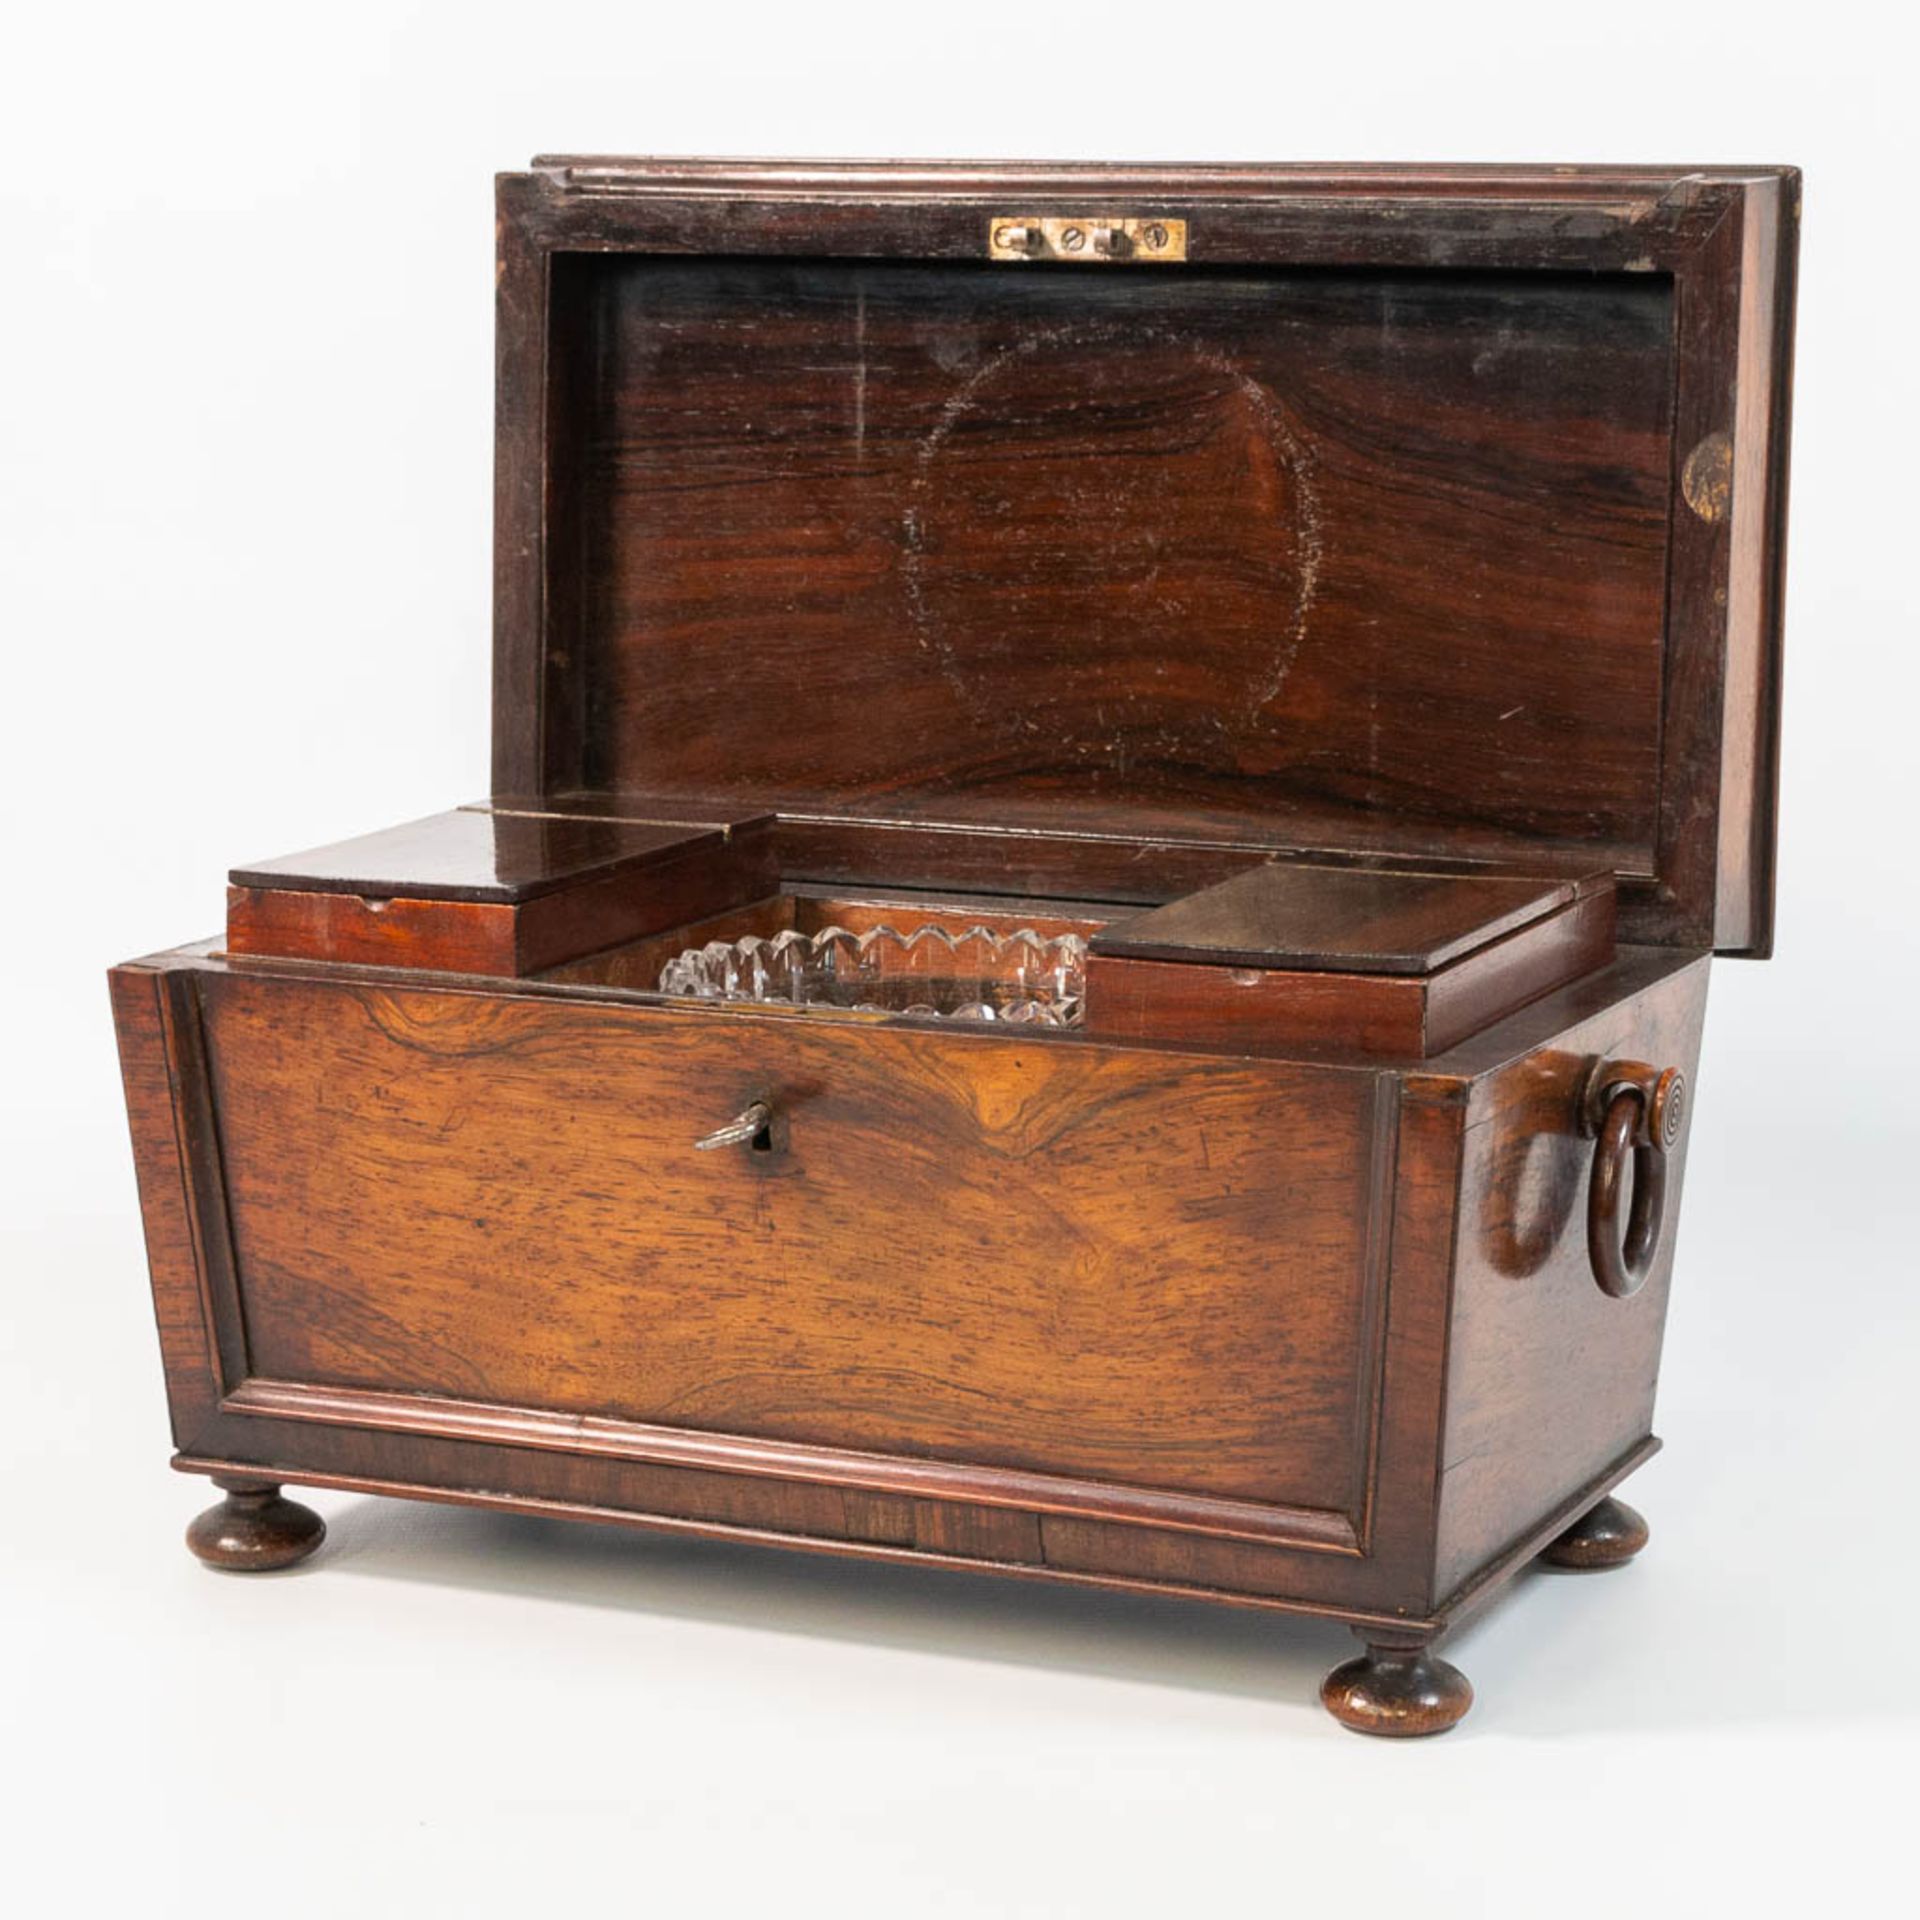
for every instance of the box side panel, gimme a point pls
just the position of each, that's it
(1549, 1381)
(160, 1071)
(454, 936)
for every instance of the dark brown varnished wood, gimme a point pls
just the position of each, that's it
(1312, 1003)
(1107, 542)
(1132, 857)
(719, 1290)
(255, 1529)
(1398, 1689)
(1635, 1113)
(841, 422)
(490, 857)
(554, 1460)
(1138, 854)
(1620, 1255)
(1338, 630)
(1549, 1380)
(156, 1023)
(453, 936)
(1608, 1535)
(1339, 919)
(477, 891)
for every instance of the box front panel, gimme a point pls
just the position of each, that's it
(1025, 1257)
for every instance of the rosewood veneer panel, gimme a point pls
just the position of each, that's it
(1549, 1380)
(1064, 1259)
(832, 531)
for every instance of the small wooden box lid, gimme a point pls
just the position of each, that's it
(1333, 919)
(479, 856)
(1428, 516)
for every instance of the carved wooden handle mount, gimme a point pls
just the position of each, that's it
(1631, 1111)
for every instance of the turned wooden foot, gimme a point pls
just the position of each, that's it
(1399, 1691)
(254, 1529)
(1607, 1536)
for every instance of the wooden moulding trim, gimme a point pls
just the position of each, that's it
(795, 1542)
(1626, 191)
(146, 1021)
(1311, 1528)
(1479, 1588)
(204, 1177)
(801, 829)
(1383, 1181)
(1749, 748)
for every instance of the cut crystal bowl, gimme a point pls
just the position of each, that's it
(970, 974)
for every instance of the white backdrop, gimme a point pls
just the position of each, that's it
(245, 434)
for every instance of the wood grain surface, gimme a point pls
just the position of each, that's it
(492, 857)
(154, 1021)
(1069, 1259)
(1549, 1379)
(493, 893)
(1367, 530)
(1337, 919)
(1371, 1556)
(1312, 1009)
(843, 530)
(1427, 518)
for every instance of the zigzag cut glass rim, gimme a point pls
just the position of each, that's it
(1021, 978)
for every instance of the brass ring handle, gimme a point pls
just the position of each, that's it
(737, 1132)
(1634, 1112)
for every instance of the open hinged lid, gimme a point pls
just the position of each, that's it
(1429, 516)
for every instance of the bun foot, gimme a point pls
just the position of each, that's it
(1608, 1535)
(254, 1530)
(1400, 1692)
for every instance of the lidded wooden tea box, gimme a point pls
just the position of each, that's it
(1112, 793)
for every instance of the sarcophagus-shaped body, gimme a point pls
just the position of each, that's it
(1112, 794)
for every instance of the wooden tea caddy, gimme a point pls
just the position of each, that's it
(1348, 599)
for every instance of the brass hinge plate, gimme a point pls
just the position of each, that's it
(1110, 239)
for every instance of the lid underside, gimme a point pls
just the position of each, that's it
(1375, 557)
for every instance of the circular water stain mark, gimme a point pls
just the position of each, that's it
(1112, 540)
